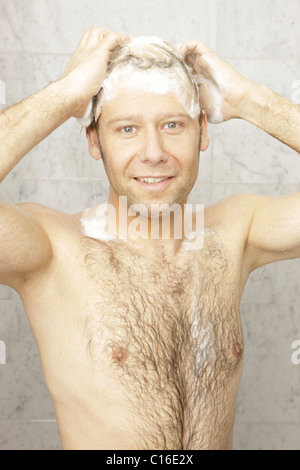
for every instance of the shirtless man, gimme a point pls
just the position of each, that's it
(140, 340)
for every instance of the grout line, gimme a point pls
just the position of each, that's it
(28, 420)
(32, 53)
(268, 423)
(42, 420)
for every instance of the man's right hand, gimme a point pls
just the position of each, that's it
(87, 68)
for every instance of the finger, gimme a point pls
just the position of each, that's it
(96, 35)
(194, 45)
(92, 33)
(113, 39)
(83, 39)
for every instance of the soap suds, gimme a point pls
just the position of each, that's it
(154, 81)
(147, 64)
(204, 340)
(94, 223)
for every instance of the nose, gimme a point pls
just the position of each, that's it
(152, 147)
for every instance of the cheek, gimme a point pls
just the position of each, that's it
(117, 155)
(186, 152)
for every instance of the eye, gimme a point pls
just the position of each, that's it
(127, 129)
(173, 126)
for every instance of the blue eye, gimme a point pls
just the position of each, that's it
(172, 125)
(125, 129)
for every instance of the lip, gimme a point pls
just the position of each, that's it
(153, 186)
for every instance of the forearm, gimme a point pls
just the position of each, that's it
(27, 123)
(274, 114)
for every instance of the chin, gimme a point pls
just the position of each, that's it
(155, 205)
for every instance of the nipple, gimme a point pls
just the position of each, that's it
(120, 355)
(237, 349)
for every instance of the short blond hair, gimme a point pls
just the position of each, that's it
(144, 54)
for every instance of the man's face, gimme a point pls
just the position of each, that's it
(143, 135)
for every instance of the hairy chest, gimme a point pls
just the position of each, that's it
(169, 331)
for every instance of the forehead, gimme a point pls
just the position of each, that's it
(147, 106)
(134, 83)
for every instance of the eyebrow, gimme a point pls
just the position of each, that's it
(139, 117)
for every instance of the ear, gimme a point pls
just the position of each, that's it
(94, 147)
(204, 135)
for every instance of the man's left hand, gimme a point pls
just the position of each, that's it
(222, 89)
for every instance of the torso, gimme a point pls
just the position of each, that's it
(140, 352)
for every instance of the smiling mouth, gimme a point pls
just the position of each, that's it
(154, 182)
(152, 179)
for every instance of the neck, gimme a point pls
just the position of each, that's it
(168, 230)
(151, 226)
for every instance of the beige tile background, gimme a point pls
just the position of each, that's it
(259, 37)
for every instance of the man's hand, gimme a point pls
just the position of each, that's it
(87, 68)
(222, 89)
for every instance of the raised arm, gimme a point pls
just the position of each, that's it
(27, 123)
(24, 244)
(274, 222)
(226, 94)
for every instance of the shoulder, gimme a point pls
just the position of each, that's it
(51, 220)
(235, 210)
(231, 219)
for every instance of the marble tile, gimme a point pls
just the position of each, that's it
(100, 191)
(222, 190)
(269, 389)
(29, 435)
(174, 21)
(261, 286)
(46, 27)
(96, 169)
(64, 153)
(258, 29)
(274, 283)
(9, 189)
(70, 196)
(244, 153)
(200, 194)
(23, 393)
(7, 293)
(25, 74)
(50, 22)
(266, 436)
(286, 279)
(280, 75)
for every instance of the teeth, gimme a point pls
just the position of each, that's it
(151, 180)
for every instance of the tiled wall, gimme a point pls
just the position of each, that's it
(259, 37)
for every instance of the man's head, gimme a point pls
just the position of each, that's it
(146, 122)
